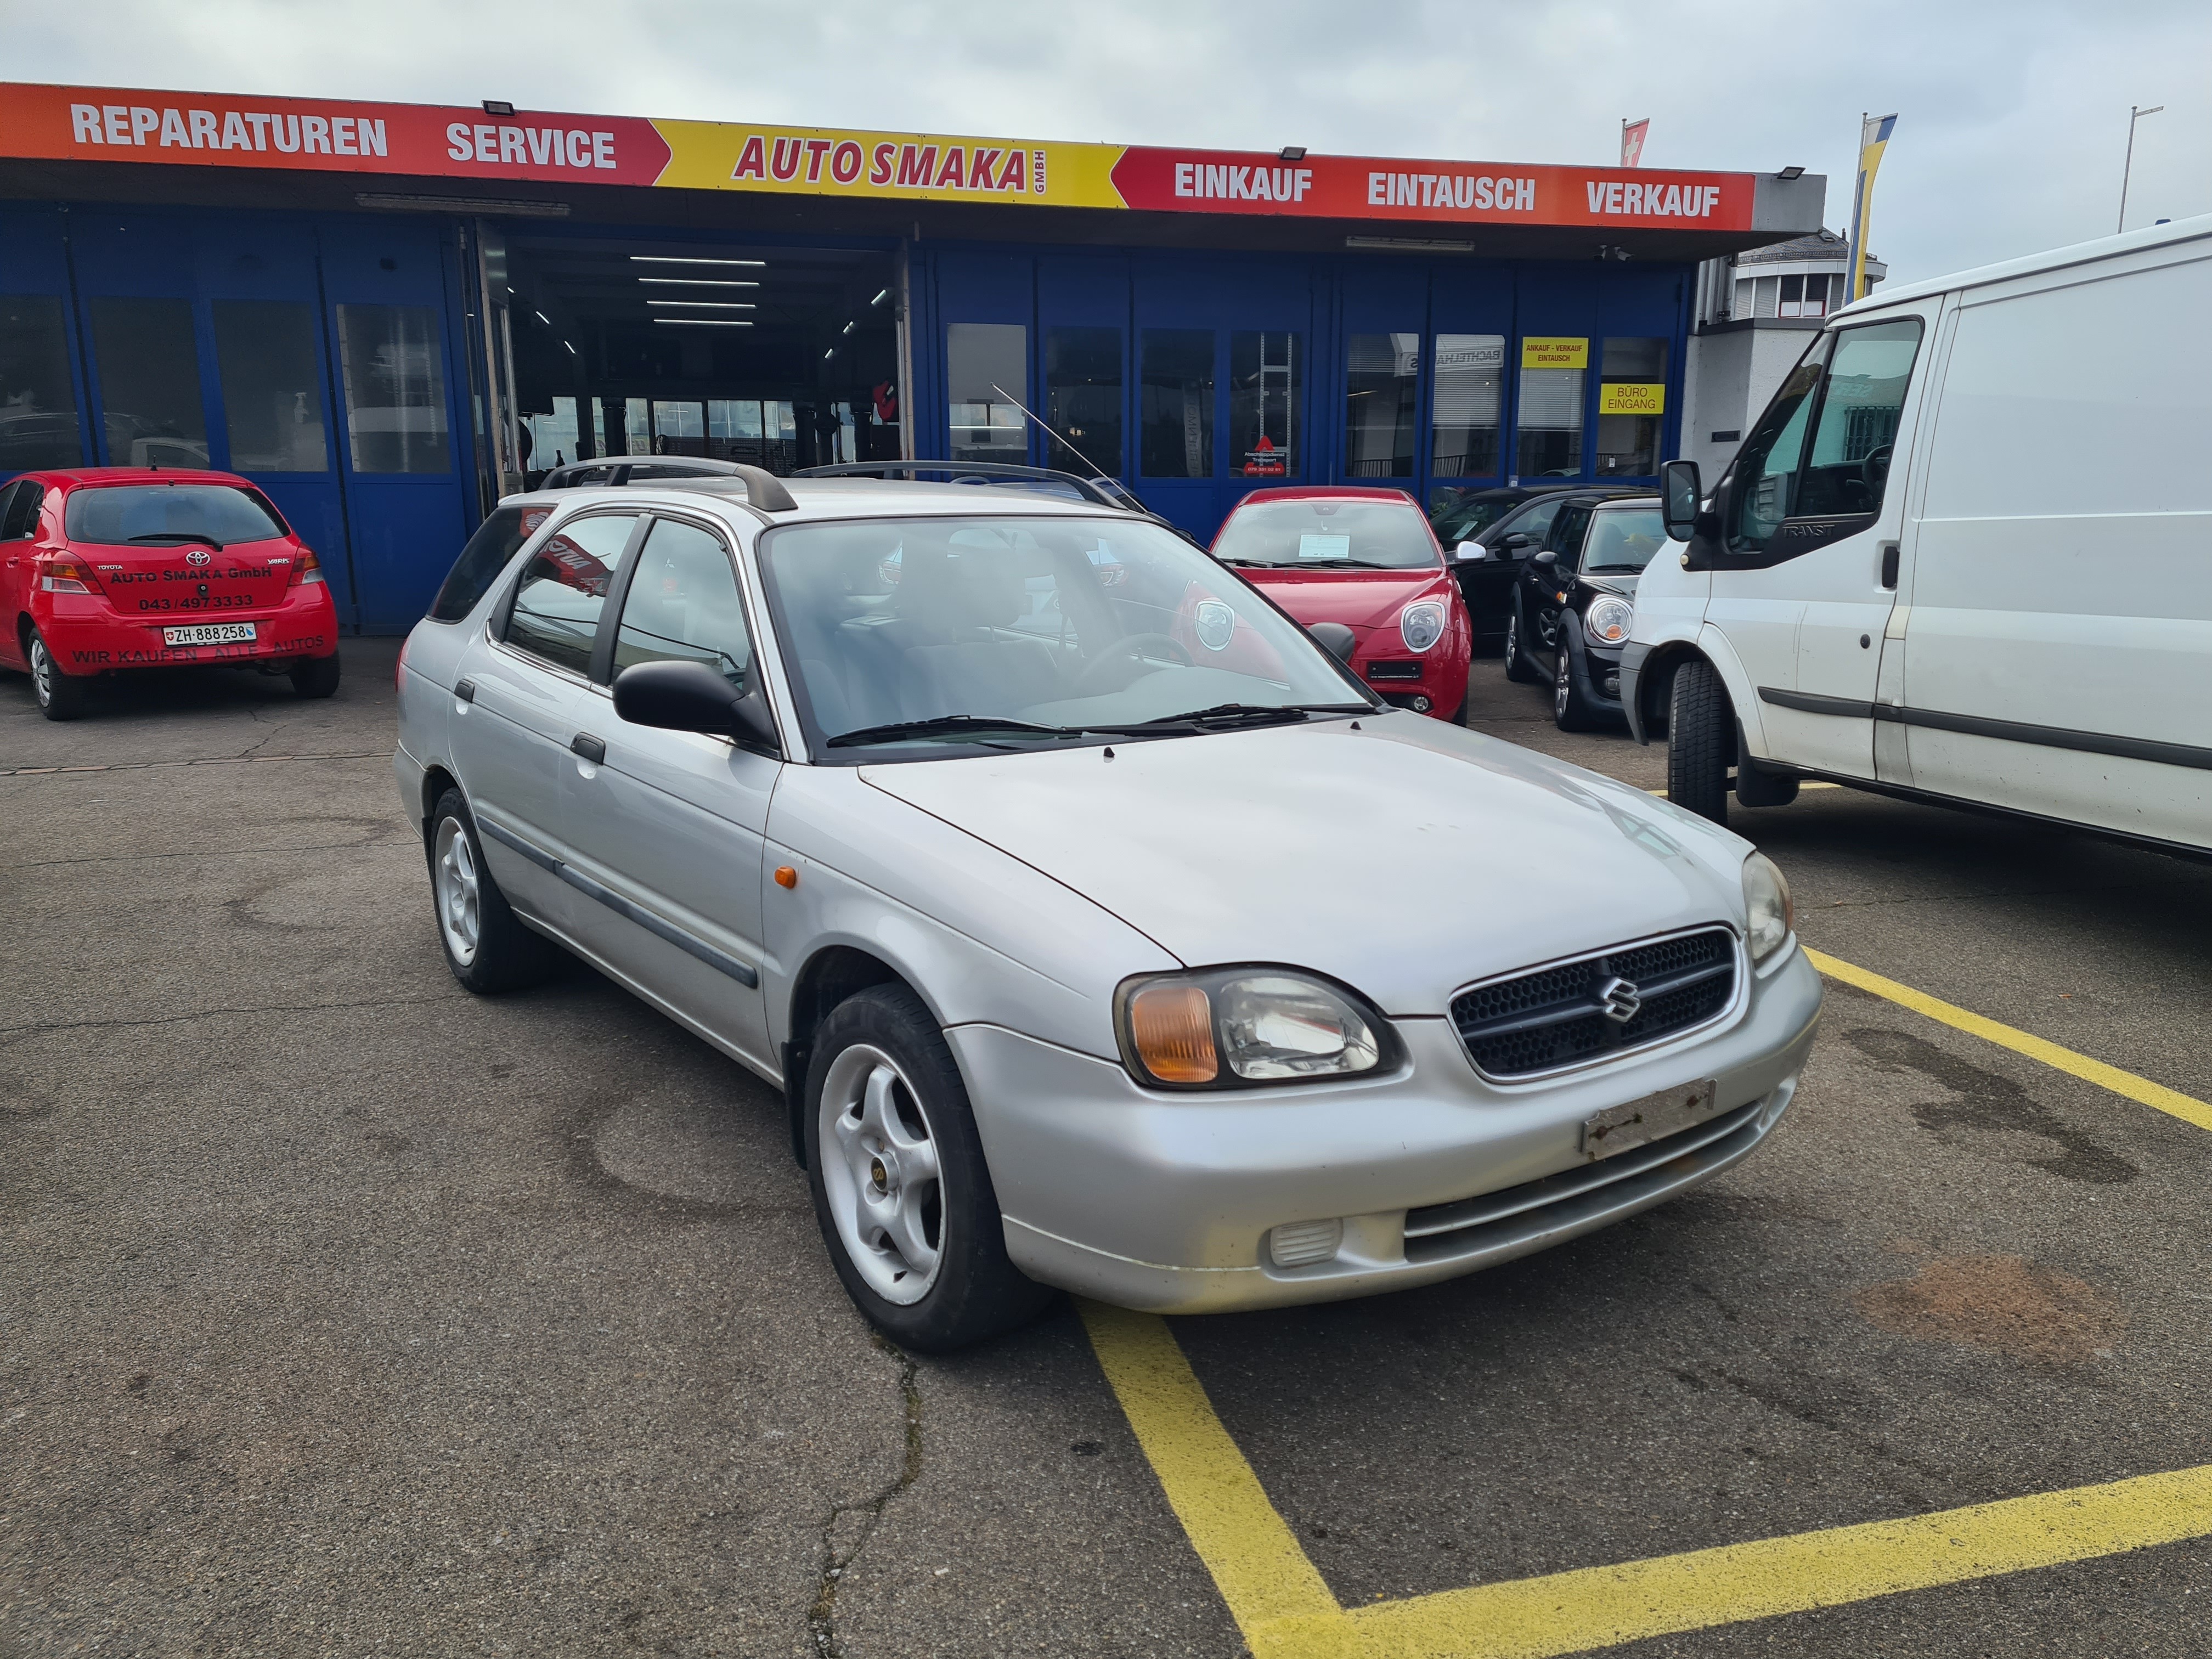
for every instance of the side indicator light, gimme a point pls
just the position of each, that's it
(786, 876)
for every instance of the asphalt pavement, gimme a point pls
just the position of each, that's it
(343, 1312)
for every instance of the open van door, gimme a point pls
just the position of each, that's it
(1805, 565)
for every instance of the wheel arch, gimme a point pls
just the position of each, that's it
(436, 780)
(833, 973)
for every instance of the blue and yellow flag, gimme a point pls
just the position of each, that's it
(1874, 138)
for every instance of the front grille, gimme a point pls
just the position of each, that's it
(1555, 1017)
(1394, 670)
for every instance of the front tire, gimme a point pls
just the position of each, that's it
(489, 950)
(317, 677)
(1700, 741)
(61, 696)
(1517, 665)
(901, 1188)
(1570, 710)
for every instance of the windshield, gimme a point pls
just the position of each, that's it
(119, 515)
(1625, 538)
(1329, 534)
(1074, 624)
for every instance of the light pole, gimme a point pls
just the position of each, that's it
(2128, 167)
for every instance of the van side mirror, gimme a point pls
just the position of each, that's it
(689, 696)
(1336, 639)
(1680, 493)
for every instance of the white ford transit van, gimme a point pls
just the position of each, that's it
(1966, 556)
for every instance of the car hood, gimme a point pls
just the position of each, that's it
(1360, 600)
(1398, 854)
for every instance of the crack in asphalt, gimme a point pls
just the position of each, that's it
(822, 1617)
(10, 1032)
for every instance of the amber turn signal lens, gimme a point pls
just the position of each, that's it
(786, 876)
(1171, 1028)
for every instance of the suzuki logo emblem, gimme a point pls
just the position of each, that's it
(1618, 1001)
(199, 557)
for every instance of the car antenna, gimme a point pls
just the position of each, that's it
(1097, 470)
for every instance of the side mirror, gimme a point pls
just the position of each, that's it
(1519, 542)
(1335, 638)
(1546, 560)
(1681, 493)
(1470, 553)
(689, 696)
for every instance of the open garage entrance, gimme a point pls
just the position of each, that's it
(783, 357)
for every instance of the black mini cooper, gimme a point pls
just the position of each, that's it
(1573, 602)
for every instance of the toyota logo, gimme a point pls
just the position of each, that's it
(198, 558)
(1619, 999)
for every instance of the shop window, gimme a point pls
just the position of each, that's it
(1549, 433)
(758, 433)
(679, 428)
(38, 408)
(1266, 379)
(1465, 426)
(395, 389)
(550, 440)
(1381, 405)
(1177, 415)
(1083, 398)
(272, 395)
(987, 365)
(1632, 401)
(150, 383)
(637, 427)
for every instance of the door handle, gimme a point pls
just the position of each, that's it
(592, 748)
(1889, 565)
(465, 690)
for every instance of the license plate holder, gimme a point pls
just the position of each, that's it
(240, 633)
(1638, 1122)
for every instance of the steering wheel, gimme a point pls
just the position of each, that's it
(1123, 651)
(1875, 470)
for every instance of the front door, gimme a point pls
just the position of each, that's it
(671, 825)
(1805, 587)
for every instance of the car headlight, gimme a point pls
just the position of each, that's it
(1233, 1027)
(1421, 625)
(1769, 915)
(1609, 620)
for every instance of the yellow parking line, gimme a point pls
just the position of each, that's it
(2126, 1084)
(1285, 1611)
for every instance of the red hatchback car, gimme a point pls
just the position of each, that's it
(1365, 558)
(114, 568)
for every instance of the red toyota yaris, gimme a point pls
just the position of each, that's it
(1365, 558)
(112, 569)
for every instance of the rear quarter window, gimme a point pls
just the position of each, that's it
(483, 558)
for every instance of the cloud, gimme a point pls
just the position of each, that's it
(2012, 118)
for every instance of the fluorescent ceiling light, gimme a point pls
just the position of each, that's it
(849, 327)
(541, 317)
(707, 322)
(881, 297)
(699, 282)
(572, 350)
(707, 305)
(682, 260)
(827, 354)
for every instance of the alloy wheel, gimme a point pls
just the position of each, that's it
(42, 672)
(460, 892)
(880, 1174)
(1563, 688)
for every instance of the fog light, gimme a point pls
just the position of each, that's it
(1422, 705)
(1302, 1243)
(1613, 685)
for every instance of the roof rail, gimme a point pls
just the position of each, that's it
(763, 490)
(1104, 492)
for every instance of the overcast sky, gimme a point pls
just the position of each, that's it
(2013, 114)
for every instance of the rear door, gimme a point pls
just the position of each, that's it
(515, 703)
(669, 827)
(19, 531)
(1806, 588)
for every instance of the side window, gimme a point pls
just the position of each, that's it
(1766, 467)
(1566, 537)
(564, 588)
(682, 604)
(1536, 525)
(19, 510)
(483, 558)
(1848, 467)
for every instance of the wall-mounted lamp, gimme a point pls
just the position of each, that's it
(1791, 172)
(1293, 153)
(497, 106)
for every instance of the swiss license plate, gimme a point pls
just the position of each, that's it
(1617, 1128)
(207, 633)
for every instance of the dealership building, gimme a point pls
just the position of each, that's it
(387, 316)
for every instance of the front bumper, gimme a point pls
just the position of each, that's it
(88, 636)
(1163, 1203)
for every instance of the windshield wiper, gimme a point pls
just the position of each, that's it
(944, 726)
(172, 537)
(1238, 713)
